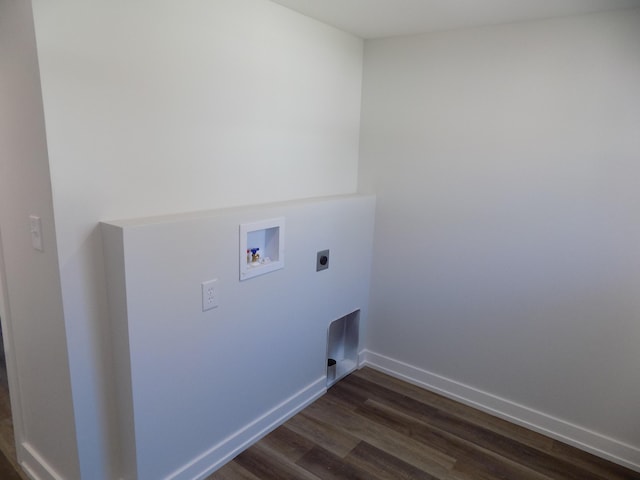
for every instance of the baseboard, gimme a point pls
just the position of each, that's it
(35, 466)
(224, 451)
(579, 437)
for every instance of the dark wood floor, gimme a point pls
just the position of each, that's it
(371, 426)
(9, 469)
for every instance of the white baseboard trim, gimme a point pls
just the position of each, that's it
(35, 466)
(231, 446)
(582, 438)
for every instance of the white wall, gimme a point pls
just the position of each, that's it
(31, 306)
(507, 248)
(196, 387)
(506, 153)
(155, 107)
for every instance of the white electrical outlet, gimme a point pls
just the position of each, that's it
(209, 294)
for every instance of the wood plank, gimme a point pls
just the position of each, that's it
(232, 471)
(267, 465)
(380, 464)
(577, 459)
(602, 467)
(498, 443)
(473, 469)
(431, 461)
(327, 466)
(372, 426)
(328, 436)
(290, 444)
(7, 437)
(7, 472)
(446, 443)
(470, 414)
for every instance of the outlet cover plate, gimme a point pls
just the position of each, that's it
(322, 260)
(209, 294)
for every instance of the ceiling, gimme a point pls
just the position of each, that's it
(386, 18)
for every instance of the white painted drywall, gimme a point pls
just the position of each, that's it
(507, 247)
(371, 19)
(193, 383)
(31, 308)
(155, 107)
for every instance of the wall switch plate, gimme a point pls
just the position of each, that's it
(322, 260)
(35, 226)
(209, 294)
